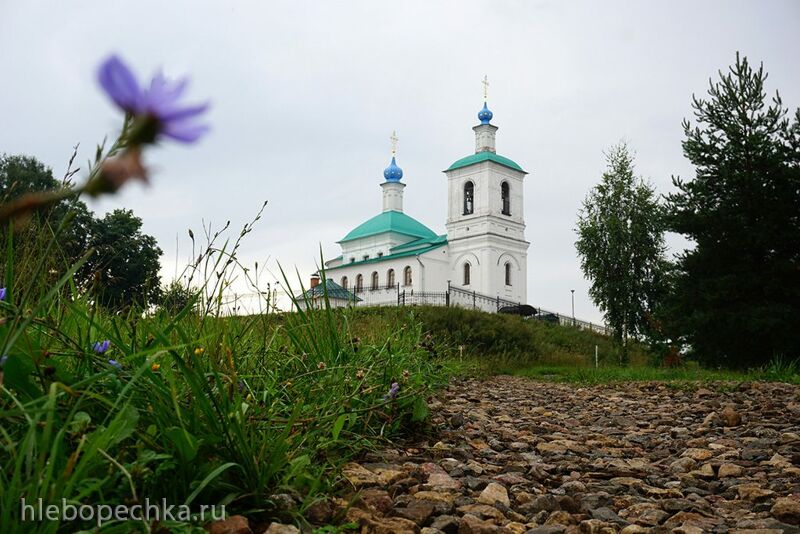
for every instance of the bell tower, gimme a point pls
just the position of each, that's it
(485, 219)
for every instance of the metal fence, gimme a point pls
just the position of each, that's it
(462, 298)
(554, 317)
(421, 298)
(477, 301)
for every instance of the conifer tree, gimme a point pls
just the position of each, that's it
(737, 291)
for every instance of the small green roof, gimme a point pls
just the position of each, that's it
(431, 245)
(334, 290)
(390, 221)
(485, 156)
(417, 243)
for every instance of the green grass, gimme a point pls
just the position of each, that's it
(203, 409)
(686, 374)
(500, 342)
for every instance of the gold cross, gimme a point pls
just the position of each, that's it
(394, 140)
(485, 83)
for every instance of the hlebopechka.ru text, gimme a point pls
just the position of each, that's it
(105, 513)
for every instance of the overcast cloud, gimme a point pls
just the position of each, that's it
(305, 96)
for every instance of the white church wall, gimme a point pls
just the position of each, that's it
(487, 257)
(435, 269)
(372, 246)
(429, 272)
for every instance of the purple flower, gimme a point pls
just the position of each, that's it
(3, 361)
(2, 293)
(157, 109)
(101, 346)
(115, 364)
(393, 391)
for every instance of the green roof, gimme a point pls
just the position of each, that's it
(390, 221)
(485, 156)
(436, 240)
(335, 291)
(433, 244)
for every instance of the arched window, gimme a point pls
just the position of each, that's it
(508, 273)
(344, 282)
(467, 272)
(374, 284)
(469, 198)
(359, 283)
(407, 276)
(390, 278)
(505, 197)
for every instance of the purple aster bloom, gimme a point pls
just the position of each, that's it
(2, 293)
(101, 346)
(3, 361)
(393, 391)
(115, 364)
(158, 107)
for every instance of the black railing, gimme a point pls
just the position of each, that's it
(422, 298)
(459, 297)
(472, 299)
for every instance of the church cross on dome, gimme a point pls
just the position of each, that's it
(484, 115)
(393, 173)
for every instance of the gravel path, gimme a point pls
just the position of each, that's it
(515, 455)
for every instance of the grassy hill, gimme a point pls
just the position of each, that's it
(497, 341)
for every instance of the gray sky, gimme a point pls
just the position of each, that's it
(305, 96)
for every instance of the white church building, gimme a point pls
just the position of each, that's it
(480, 262)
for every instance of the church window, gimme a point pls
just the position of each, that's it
(467, 273)
(374, 284)
(508, 274)
(469, 198)
(407, 276)
(359, 283)
(344, 282)
(505, 196)
(390, 278)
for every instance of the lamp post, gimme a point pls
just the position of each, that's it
(573, 306)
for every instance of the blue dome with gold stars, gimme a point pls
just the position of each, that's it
(393, 173)
(485, 115)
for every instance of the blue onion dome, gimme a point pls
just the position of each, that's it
(485, 115)
(393, 173)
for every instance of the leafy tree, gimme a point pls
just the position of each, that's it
(621, 245)
(737, 292)
(23, 174)
(124, 267)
